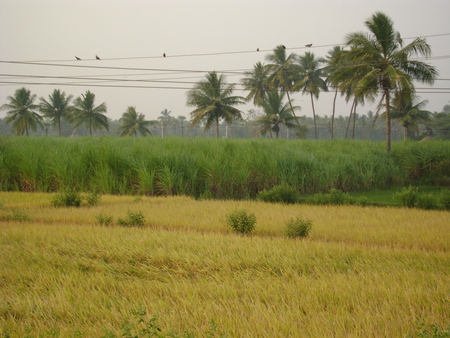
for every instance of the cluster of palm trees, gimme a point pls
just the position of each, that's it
(374, 64)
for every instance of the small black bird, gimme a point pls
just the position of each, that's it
(257, 49)
(76, 57)
(308, 45)
(284, 47)
(97, 57)
(164, 54)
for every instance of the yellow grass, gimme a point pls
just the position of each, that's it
(369, 272)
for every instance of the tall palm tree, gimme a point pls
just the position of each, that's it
(333, 62)
(384, 64)
(86, 112)
(282, 71)
(182, 118)
(57, 107)
(256, 83)
(276, 113)
(311, 81)
(165, 119)
(214, 101)
(133, 122)
(21, 112)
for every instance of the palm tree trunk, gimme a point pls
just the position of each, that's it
(217, 127)
(292, 109)
(332, 115)
(350, 118)
(388, 121)
(354, 121)
(59, 127)
(314, 115)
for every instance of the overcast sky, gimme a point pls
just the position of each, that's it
(197, 36)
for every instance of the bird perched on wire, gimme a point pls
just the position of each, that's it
(257, 49)
(164, 54)
(284, 47)
(308, 45)
(97, 57)
(76, 57)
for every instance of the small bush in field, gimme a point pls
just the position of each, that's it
(241, 221)
(68, 198)
(133, 219)
(408, 196)
(104, 220)
(282, 193)
(426, 201)
(298, 227)
(17, 216)
(93, 198)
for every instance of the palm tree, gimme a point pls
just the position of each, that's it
(21, 112)
(165, 118)
(383, 63)
(86, 112)
(57, 107)
(256, 83)
(409, 113)
(276, 114)
(311, 80)
(133, 122)
(282, 71)
(182, 118)
(214, 101)
(333, 62)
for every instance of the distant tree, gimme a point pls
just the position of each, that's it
(133, 122)
(311, 80)
(256, 83)
(21, 112)
(214, 101)
(276, 113)
(409, 113)
(56, 108)
(383, 64)
(182, 118)
(164, 119)
(86, 112)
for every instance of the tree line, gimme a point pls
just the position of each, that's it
(371, 66)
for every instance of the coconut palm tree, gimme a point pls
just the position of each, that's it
(276, 113)
(409, 113)
(182, 118)
(383, 63)
(86, 112)
(56, 108)
(256, 82)
(22, 112)
(165, 119)
(333, 62)
(133, 122)
(213, 100)
(282, 71)
(311, 81)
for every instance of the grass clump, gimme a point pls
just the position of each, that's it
(17, 215)
(298, 227)
(133, 219)
(282, 193)
(93, 198)
(67, 198)
(336, 197)
(407, 196)
(104, 220)
(412, 197)
(241, 221)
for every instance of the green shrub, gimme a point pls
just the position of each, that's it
(241, 221)
(67, 198)
(407, 196)
(104, 220)
(336, 197)
(426, 201)
(444, 200)
(17, 216)
(93, 198)
(133, 219)
(279, 194)
(298, 227)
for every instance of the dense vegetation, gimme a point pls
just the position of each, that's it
(215, 168)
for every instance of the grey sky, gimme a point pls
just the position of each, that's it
(200, 35)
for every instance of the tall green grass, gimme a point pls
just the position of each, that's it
(211, 168)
